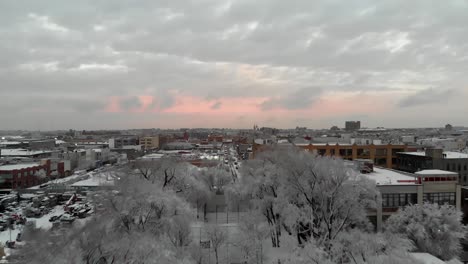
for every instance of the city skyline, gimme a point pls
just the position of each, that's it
(170, 64)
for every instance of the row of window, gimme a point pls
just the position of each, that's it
(398, 199)
(455, 167)
(392, 200)
(440, 198)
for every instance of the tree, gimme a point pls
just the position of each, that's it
(357, 247)
(307, 195)
(252, 232)
(435, 229)
(260, 184)
(218, 237)
(144, 223)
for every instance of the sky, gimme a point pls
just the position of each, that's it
(116, 64)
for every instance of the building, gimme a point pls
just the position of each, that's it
(456, 162)
(118, 143)
(42, 144)
(24, 175)
(150, 142)
(382, 155)
(399, 189)
(352, 125)
(23, 153)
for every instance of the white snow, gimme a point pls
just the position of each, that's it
(22, 152)
(447, 154)
(436, 172)
(18, 166)
(41, 222)
(94, 181)
(390, 177)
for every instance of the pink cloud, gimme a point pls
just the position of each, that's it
(194, 111)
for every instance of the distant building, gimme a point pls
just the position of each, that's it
(23, 153)
(352, 125)
(42, 144)
(150, 142)
(429, 159)
(118, 143)
(23, 175)
(381, 154)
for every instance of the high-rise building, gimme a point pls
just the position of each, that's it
(352, 125)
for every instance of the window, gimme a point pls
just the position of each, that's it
(453, 166)
(398, 199)
(464, 167)
(448, 167)
(459, 167)
(440, 198)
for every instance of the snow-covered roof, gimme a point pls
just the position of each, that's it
(18, 166)
(153, 156)
(328, 143)
(435, 172)
(22, 152)
(390, 177)
(447, 154)
(9, 143)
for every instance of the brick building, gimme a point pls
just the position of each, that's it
(381, 155)
(19, 176)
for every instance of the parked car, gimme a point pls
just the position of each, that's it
(67, 218)
(54, 218)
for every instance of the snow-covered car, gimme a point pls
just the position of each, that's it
(67, 218)
(54, 218)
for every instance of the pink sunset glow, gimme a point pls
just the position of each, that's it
(224, 111)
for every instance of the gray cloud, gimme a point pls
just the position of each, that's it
(216, 105)
(427, 96)
(222, 49)
(298, 99)
(130, 103)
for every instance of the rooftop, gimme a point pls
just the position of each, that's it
(435, 172)
(21, 152)
(390, 177)
(448, 154)
(17, 166)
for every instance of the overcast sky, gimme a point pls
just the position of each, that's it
(216, 63)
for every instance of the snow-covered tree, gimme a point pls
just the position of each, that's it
(253, 230)
(307, 195)
(435, 229)
(144, 223)
(218, 237)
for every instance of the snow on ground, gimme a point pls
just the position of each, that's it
(41, 222)
(95, 180)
